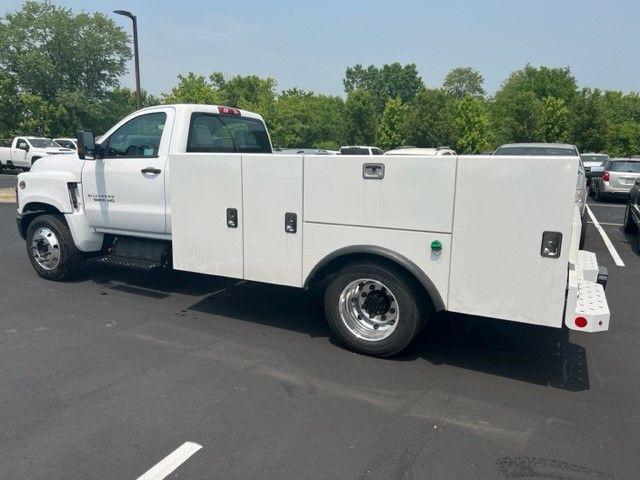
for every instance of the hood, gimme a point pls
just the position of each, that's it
(54, 151)
(70, 164)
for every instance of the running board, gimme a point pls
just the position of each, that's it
(132, 263)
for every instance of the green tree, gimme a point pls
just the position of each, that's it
(472, 125)
(246, 91)
(9, 106)
(392, 129)
(464, 82)
(193, 88)
(555, 120)
(624, 139)
(390, 81)
(360, 118)
(430, 122)
(518, 105)
(49, 49)
(592, 121)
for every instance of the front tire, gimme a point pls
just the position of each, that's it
(372, 307)
(51, 249)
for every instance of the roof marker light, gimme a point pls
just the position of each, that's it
(228, 111)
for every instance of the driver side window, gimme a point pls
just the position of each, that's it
(22, 144)
(139, 137)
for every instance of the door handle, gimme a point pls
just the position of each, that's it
(373, 171)
(152, 170)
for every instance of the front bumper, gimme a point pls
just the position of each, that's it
(587, 309)
(607, 189)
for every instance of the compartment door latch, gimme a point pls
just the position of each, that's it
(551, 244)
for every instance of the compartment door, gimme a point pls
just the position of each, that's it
(205, 191)
(272, 193)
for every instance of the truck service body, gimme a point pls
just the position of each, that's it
(396, 239)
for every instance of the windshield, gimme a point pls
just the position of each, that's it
(227, 133)
(594, 158)
(537, 151)
(354, 151)
(43, 143)
(624, 166)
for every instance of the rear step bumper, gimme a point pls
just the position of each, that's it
(587, 309)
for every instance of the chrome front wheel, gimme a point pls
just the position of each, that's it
(45, 248)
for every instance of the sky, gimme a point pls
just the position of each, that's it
(309, 44)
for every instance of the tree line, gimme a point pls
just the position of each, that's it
(60, 71)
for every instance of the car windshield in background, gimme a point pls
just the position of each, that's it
(214, 133)
(537, 151)
(43, 143)
(354, 151)
(594, 158)
(622, 166)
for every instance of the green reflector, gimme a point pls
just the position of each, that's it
(436, 246)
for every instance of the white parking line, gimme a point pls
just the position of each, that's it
(608, 224)
(606, 205)
(172, 461)
(605, 239)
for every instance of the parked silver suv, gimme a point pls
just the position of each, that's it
(617, 179)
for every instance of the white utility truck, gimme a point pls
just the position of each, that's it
(24, 151)
(393, 239)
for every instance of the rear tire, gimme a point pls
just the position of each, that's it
(629, 225)
(373, 308)
(51, 249)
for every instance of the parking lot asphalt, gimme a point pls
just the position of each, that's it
(7, 179)
(104, 376)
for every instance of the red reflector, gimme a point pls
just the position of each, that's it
(605, 176)
(580, 322)
(228, 111)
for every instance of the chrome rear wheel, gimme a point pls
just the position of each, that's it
(369, 309)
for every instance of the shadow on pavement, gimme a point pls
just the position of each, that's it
(155, 284)
(538, 355)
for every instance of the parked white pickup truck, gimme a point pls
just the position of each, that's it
(394, 240)
(24, 151)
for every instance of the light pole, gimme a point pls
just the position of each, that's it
(135, 52)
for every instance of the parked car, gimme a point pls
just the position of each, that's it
(632, 212)
(593, 164)
(435, 152)
(617, 179)
(24, 151)
(553, 150)
(360, 150)
(66, 142)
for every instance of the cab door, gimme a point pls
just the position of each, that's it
(19, 153)
(124, 192)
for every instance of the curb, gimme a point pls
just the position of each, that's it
(7, 195)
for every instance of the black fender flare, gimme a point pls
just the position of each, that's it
(387, 254)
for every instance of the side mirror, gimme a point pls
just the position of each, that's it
(86, 143)
(638, 182)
